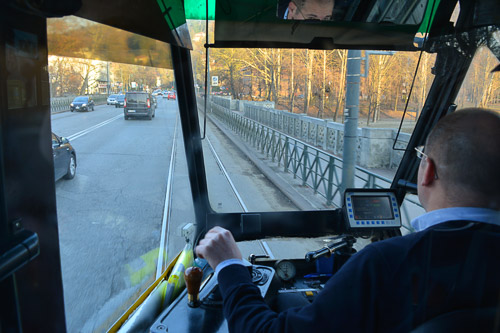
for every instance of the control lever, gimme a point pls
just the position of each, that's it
(253, 257)
(193, 276)
(346, 241)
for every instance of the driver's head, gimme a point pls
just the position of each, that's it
(463, 163)
(310, 10)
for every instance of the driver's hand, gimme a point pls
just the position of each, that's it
(218, 246)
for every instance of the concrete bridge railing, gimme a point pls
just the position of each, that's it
(315, 167)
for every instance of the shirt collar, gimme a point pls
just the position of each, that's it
(475, 214)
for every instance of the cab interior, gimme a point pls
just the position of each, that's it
(31, 279)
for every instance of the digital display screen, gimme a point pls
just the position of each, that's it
(372, 208)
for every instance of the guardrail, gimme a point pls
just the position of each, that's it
(317, 169)
(62, 104)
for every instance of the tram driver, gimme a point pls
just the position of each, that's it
(450, 263)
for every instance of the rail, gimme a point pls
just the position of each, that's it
(317, 169)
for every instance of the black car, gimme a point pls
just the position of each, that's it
(82, 103)
(120, 100)
(139, 104)
(64, 158)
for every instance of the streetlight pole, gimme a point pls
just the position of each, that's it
(351, 113)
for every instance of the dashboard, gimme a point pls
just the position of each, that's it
(288, 283)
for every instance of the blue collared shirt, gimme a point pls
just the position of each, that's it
(228, 262)
(476, 214)
(423, 222)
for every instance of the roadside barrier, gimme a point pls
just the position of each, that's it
(317, 169)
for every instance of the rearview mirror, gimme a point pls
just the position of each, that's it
(379, 11)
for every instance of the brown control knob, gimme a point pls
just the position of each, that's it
(193, 276)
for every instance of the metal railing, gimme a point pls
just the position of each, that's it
(317, 169)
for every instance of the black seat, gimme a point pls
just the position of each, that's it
(468, 320)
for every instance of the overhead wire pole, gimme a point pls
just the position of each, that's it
(351, 114)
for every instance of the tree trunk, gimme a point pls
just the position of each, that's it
(307, 96)
(341, 88)
(84, 83)
(292, 86)
(322, 108)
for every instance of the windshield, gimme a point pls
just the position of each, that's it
(112, 212)
(276, 118)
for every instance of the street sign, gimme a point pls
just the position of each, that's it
(215, 81)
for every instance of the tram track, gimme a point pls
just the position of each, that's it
(265, 247)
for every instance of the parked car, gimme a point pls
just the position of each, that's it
(120, 100)
(165, 94)
(64, 158)
(139, 104)
(171, 95)
(111, 100)
(82, 103)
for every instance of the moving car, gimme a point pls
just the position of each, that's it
(171, 95)
(120, 100)
(111, 100)
(64, 158)
(139, 104)
(82, 103)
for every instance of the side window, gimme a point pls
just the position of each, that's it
(481, 87)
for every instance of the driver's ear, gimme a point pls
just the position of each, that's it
(428, 172)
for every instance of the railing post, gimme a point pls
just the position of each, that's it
(304, 169)
(329, 191)
(297, 165)
(316, 161)
(286, 144)
(273, 145)
(325, 135)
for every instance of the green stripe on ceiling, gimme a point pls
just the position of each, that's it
(430, 13)
(173, 12)
(196, 9)
(162, 7)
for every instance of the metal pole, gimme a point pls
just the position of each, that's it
(351, 118)
(107, 78)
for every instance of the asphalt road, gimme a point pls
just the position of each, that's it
(110, 215)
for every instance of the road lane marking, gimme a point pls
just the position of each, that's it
(92, 128)
(166, 208)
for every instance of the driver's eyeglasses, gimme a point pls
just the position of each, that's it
(420, 152)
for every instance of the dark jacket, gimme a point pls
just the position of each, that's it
(390, 286)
